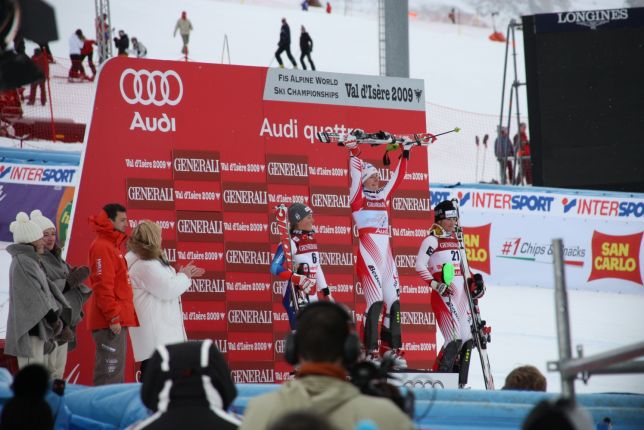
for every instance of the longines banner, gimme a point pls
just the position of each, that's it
(509, 234)
(207, 151)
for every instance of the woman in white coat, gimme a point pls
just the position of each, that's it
(157, 292)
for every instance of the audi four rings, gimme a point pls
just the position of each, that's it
(149, 93)
(423, 383)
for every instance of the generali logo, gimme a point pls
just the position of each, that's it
(245, 197)
(616, 257)
(405, 258)
(330, 200)
(287, 169)
(211, 286)
(247, 257)
(250, 317)
(411, 204)
(254, 376)
(195, 165)
(194, 226)
(149, 194)
(337, 258)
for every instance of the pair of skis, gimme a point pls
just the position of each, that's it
(281, 218)
(480, 332)
(393, 141)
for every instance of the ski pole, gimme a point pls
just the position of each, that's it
(455, 130)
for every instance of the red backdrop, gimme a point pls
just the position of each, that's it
(208, 160)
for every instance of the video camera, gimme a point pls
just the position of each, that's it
(23, 19)
(372, 381)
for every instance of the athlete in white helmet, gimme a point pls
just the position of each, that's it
(376, 267)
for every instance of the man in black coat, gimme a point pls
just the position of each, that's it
(122, 43)
(285, 45)
(306, 47)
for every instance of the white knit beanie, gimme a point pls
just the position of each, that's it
(25, 230)
(43, 222)
(368, 170)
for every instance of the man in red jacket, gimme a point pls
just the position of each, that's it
(110, 310)
(40, 58)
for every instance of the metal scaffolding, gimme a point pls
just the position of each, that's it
(615, 361)
(103, 23)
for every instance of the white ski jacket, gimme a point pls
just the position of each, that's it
(157, 300)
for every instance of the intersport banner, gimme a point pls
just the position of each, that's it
(207, 151)
(509, 231)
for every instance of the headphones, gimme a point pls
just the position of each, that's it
(350, 349)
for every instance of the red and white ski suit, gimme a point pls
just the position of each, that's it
(452, 311)
(376, 267)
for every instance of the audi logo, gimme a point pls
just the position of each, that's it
(151, 87)
(423, 383)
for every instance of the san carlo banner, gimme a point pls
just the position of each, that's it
(207, 151)
(508, 233)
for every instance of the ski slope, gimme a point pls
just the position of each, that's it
(462, 70)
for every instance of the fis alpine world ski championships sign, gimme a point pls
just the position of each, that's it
(207, 151)
(344, 90)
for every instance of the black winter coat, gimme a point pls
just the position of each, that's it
(122, 44)
(306, 43)
(285, 36)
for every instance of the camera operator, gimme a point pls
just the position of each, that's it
(323, 346)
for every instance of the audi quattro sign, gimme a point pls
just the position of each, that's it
(201, 150)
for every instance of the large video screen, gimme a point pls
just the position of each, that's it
(585, 77)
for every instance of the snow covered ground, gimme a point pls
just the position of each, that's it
(462, 71)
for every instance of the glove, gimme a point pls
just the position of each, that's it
(77, 275)
(358, 133)
(57, 327)
(406, 147)
(476, 286)
(351, 142)
(304, 283)
(408, 144)
(67, 335)
(443, 289)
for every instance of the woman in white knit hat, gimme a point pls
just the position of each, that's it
(69, 281)
(35, 309)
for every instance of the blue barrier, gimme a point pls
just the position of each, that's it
(34, 156)
(118, 406)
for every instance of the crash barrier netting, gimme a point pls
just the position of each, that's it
(456, 157)
(453, 158)
(63, 115)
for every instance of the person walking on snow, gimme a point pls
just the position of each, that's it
(376, 267)
(185, 27)
(75, 48)
(40, 59)
(306, 47)
(88, 52)
(285, 45)
(138, 48)
(449, 301)
(309, 277)
(122, 43)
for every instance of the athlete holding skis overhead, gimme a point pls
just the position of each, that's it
(376, 267)
(438, 252)
(307, 275)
